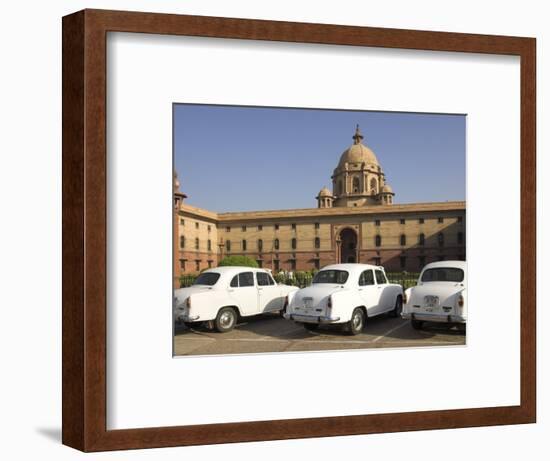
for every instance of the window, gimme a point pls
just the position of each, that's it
(243, 228)
(440, 220)
(317, 242)
(276, 244)
(208, 228)
(316, 263)
(402, 221)
(260, 263)
(421, 239)
(246, 279)
(459, 219)
(377, 222)
(440, 239)
(403, 239)
(403, 262)
(197, 244)
(293, 244)
(182, 264)
(182, 222)
(260, 227)
(182, 241)
(443, 274)
(263, 279)
(196, 225)
(209, 245)
(331, 276)
(421, 262)
(260, 245)
(355, 184)
(378, 240)
(421, 221)
(228, 245)
(316, 225)
(209, 264)
(197, 265)
(228, 229)
(366, 278)
(340, 187)
(380, 277)
(293, 264)
(244, 245)
(374, 186)
(460, 238)
(276, 226)
(293, 225)
(276, 266)
(234, 282)
(377, 261)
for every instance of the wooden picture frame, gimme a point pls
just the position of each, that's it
(85, 222)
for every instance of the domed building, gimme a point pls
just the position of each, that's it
(357, 221)
(358, 180)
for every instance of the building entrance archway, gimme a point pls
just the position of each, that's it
(348, 246)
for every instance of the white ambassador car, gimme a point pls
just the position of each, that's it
(224, 294)
(439, 296)
(345, 294)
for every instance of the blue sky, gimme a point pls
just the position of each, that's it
(232, 158)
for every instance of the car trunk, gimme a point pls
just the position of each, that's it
(436, 298)
(314, 299)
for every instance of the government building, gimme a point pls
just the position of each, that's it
(356, 221)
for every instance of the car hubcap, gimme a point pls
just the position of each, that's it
(357, 321)
(226, 319)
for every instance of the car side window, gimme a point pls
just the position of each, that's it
(380, 277)
(262, 278)
(271, 281)
(366, 278)
(234, 281)
(246, 279)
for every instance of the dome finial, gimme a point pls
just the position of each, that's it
(357, 137)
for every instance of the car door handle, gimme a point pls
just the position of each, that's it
(379, 288)
(360, 289)
(260, 289)
(230, 289)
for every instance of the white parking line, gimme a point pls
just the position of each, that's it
(389, 331)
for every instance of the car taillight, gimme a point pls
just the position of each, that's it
(188, 302)
(460, 301)
(405, 299)
(286, 302)
(329, 304)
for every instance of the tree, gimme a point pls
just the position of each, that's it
(238, 261)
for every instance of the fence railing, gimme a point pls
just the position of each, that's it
(303, 279)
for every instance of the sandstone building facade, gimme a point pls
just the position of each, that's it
(355, 222)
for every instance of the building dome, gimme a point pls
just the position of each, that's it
(387, 189)
(358, 152)
(324, 192)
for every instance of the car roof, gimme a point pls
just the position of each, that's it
(351, 267)
(451, 263)
(234, 269)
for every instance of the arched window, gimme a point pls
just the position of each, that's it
(293, 244)
(196, 243)
(378, 240)
(182, 241)
(440, 239)
(403, 239)
(355, 184)
(340, 187)
(260, 245)
(374, 186)
(244, 245)
(209, 245)
(421, 239)
(228, 245)
(317, 242)
(276, 244)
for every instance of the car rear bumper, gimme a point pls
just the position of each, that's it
(312, 318)
(186, 318)
(441, 318)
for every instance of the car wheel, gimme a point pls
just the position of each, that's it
(462, 328)
(398, 307)
(226, 319)
(357, 322)
(311, 326)
(189, 324)
(417, 324)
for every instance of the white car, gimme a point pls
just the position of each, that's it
(224, 294)
(439, 296)
(345, 294)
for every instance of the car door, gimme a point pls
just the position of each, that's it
(243, 289)
(269, 297)
(385, 302)
(368, 291)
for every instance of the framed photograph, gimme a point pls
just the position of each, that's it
(279, 230)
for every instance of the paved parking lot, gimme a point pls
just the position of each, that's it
(271, 333)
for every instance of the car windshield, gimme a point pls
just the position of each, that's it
(331, 276)
(207, 278)
(443, 274)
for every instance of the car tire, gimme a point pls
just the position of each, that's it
(462, 328)
(226, 319)
(311, 326)
(357, 322)
(398, 307)
(417, 324)
(190, 324)
(282, 312)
